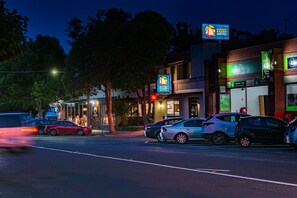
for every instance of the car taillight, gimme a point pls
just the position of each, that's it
(207, 123)
(238, 127)
(29, 130)
(164, 129)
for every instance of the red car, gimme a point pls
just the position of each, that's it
(66, 127)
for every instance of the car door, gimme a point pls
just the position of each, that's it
(70, 127)
(229, 124)
(193, 128)
(275, 131)
(257, 129)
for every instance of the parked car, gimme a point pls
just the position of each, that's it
(153, 130)
(39, 124)
(65, 128)
(14, 133)
(219, 128)
(290, 136)
(260, 129)
(183, 131)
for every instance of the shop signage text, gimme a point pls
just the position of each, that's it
(163, 83)
(215, 31)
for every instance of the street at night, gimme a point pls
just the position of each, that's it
(115, 166)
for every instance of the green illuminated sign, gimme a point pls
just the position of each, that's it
(225, 102)
(243, 68)
(265, 58)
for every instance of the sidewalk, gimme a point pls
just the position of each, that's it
(137, 133)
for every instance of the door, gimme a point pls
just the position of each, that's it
(257, 129)
(194, 108)
(229, 124)
(70, 128)
(275, 131)
(193, 128)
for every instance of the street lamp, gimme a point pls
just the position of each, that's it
(53, 71)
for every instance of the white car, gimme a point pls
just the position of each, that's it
(183, 131)
(220, 128)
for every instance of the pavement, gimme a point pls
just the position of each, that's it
(137, 133)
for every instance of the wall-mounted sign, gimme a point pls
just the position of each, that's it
(225, 102)
(265, 58)
(163, 83)
(215, 31)
(243, 68)
(292, 62)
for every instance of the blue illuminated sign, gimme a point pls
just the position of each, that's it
(163, 83)
(215, 31)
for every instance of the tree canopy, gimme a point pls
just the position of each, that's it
(27, 82)
(13, 28)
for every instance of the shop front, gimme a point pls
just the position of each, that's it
(290, 80)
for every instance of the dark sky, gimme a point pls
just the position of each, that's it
(50, 17)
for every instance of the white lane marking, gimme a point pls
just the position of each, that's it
(212, 170)
(168, 166)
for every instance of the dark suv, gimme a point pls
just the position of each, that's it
(260, 129)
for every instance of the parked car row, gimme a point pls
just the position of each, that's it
(54, 127)
(221, 128)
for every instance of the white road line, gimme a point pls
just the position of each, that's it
(212, 170)
(168, 166)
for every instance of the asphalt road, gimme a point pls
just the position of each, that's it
(113, 166)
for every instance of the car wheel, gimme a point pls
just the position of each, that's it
(160, 138)
(218, 138)
(40, 131)
(53, 132)
(245, 141)
(181, 138)
(80, 132)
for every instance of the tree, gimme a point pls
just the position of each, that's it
(121, 107)
(143, 48)
(28, 83)
(13, 28)
(184, 37)
(269, 35)
(90, 61)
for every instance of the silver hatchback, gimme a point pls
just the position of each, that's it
(183, 131)
(290, 136)
(220, 128)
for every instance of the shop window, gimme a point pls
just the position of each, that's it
(172, 108)
(291, 97)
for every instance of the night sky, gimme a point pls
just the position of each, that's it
(50, 17)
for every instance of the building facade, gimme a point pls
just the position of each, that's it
(260, 78)
(205, 81)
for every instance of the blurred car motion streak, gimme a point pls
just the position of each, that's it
(14, 133)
